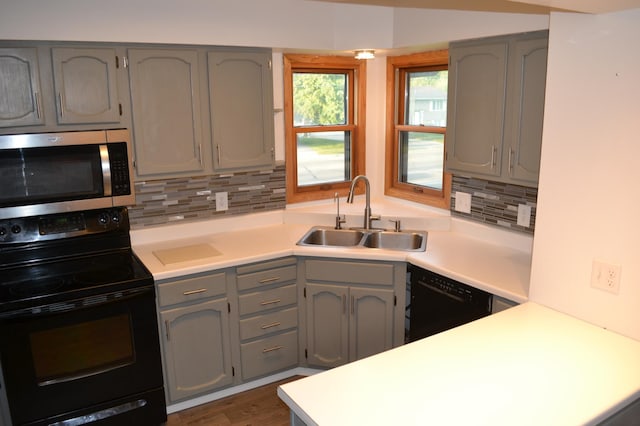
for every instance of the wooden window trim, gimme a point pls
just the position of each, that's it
(394, 113)
(356, 123)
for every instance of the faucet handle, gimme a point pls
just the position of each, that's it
(397, 224)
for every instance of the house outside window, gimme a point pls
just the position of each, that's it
(416, 127)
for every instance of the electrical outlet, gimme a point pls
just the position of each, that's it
(605, 276)
(524, 215)
(222, 201)
(463, 202)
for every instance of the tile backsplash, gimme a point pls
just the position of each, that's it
(495, 203)
(194, 198)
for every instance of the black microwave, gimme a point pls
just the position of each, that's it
(61, 172)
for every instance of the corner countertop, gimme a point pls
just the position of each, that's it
(528, 365)
(460, 251)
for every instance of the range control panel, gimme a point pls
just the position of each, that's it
(62, 225)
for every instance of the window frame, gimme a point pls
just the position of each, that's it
(396, 67)
(355, 122)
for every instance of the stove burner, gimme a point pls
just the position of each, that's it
(104, 274)
(39, 287)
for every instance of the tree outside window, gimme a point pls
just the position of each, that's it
(324, 122)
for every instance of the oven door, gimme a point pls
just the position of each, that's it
(83, 361)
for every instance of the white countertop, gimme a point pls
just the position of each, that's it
(489, 265)
(528, 365)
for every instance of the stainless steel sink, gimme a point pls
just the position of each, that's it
(407, 240)
(325, 236)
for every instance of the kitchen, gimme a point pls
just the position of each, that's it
(576, 222)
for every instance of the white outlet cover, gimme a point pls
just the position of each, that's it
(463, 202)
(605, 276)
(222, 201)
(524, 215)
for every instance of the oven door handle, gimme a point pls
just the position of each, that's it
(84, 375)
(77, 304)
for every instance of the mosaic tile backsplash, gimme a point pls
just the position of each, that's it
(190, 199)
(495, 203)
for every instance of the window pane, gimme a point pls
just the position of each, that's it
(421, 159)
(319, 99)
(323, 157)
(426, 102)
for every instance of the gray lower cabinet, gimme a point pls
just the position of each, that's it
(268, 312)
(195, 335)
(166, 91)
(496, 105)
(353, 309)
(20, 93)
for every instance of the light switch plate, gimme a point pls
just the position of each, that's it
(222, 201)
(606, 276)
(524, 215)
(463, 202)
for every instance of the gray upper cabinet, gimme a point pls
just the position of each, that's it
(20, 93)
(496, 103)
(526, 112)
(86, 87)
(241, 102)
(477, 89)
(167, 113)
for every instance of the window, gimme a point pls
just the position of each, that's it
(324, 124)
(416, 126)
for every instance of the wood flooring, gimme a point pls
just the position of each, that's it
(256, 407)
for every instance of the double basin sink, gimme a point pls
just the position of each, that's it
(326, 236)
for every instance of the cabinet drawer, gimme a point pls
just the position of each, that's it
(268, 355)
(350, 272)
(192, 289)
(268, 323)
(270, 276)
(268, 299)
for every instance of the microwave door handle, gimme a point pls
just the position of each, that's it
(106, 170)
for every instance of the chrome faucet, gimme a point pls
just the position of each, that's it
(339, 219)
(368, 217)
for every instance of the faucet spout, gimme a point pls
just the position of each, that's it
(367, 191)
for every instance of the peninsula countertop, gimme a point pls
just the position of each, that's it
(528, 365)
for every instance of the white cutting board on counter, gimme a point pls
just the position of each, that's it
(186, 253)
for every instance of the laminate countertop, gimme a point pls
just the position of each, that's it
(528, 365)
(490, 265)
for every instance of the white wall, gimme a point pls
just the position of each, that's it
(588, 201)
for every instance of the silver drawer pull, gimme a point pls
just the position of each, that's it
(268, 280)
(273, 324)
(274, 348)
(200, 290)
(270, 302)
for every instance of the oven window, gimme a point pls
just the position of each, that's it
(79, 350)
(50, 174)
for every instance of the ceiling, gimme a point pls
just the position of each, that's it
(507, 6)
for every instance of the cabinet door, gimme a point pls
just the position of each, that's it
(241, 100)
(327, 325)
(165, 96)
(525, 110)
(371, 322)
(197, 348)
(86, 85)
(475, 120)
(19, 87)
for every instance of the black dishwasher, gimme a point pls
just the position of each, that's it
(439, 303)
